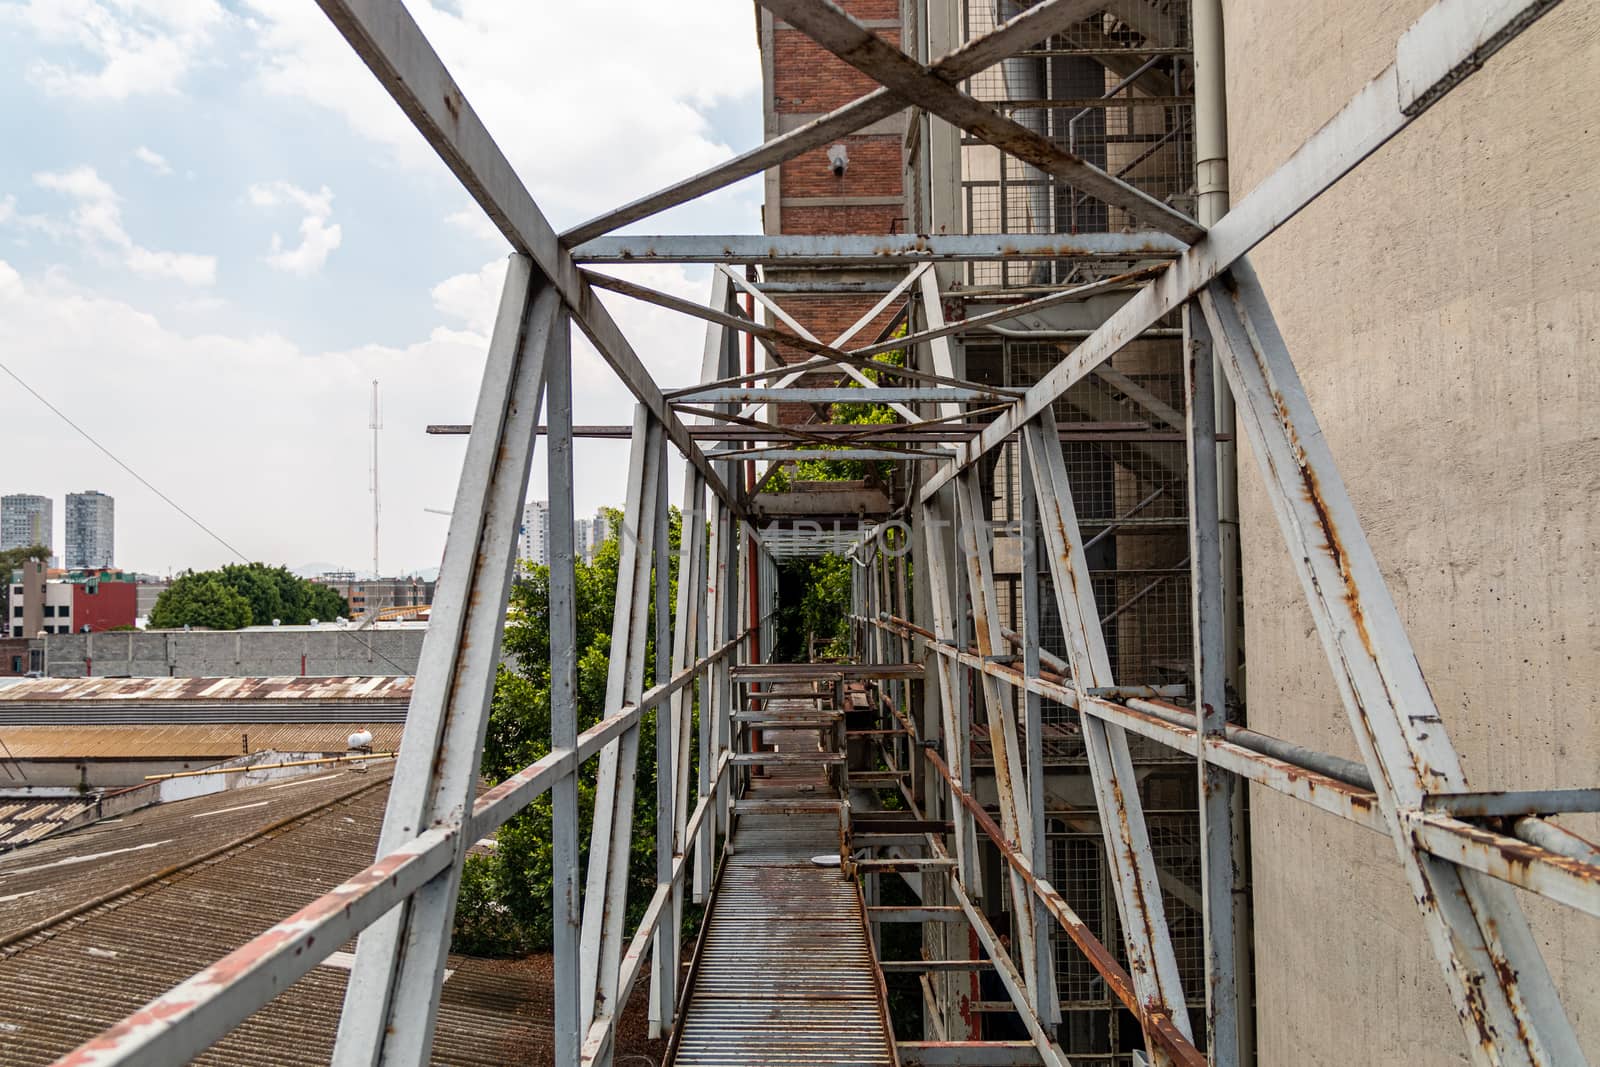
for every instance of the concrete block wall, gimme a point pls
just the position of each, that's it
(240, 654)
(1443, 306)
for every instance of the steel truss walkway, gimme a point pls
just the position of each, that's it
(785, 971)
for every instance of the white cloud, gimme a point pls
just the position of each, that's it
(594, 103)
(120, 48)
(318, 239)
(254, 436)
(152, 159)
(8, 208)
(96, 221)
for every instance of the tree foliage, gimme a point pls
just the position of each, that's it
(12, 558)
(504, 905)
(244, 594)
(200, 600)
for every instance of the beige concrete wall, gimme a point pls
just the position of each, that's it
(1443, 307)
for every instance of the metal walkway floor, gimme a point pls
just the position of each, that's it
(784, 974)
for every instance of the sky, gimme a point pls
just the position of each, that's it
(216, 230)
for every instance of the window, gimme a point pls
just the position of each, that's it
(16, 664)
(49, 611)
(16, 612)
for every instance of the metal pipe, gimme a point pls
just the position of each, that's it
(1071, 335)
(269, 766)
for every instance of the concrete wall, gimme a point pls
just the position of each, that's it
(1443, 307)
(251, 653)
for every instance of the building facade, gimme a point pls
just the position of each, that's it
(589, 534)
(534, 544)
(366, 595)
(90, 521)
(26, 519)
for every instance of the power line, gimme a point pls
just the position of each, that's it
(113, 457)
(173, 503)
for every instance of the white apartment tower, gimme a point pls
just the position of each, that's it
(91, 528)
(534, 544)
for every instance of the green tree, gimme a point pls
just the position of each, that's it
(267, 593)
(278, 593)
(504, 905)
(12, 558)
(200, 599)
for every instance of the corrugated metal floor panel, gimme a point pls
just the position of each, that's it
(784, 975)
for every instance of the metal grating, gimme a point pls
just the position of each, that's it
(785, 973)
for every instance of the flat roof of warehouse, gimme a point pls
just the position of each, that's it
(97, 922)
(186, 741)
(42, 690)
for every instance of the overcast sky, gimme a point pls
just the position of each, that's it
(216, 230)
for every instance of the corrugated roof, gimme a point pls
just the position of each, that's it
(220, 869)
(43, 690)
(27, 819)
(186, 741)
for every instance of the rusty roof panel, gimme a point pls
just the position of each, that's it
(129, 910)
(52, 690)
(186, 741)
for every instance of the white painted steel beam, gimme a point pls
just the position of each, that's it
(875, 250)
(391, 1001)
(1151, 958)
(1492, 965)
(389, 41)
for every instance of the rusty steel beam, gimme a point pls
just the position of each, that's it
(1492, 964)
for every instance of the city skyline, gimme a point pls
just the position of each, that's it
(257, 273)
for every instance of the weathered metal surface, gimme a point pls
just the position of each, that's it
(883, 62)
(146, 940)
(785, 971)
(87, 695)
(804, 250)
(206, 742)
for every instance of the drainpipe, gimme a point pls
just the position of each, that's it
(1211, 203)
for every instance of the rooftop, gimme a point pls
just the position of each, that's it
(99, 921)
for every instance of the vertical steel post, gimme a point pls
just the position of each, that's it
(1151, 959)
(1047, 1002)
(565, 917)
(391, 1001)
(1010, 780)
(605, 897)
(664, 960)
(1217, 787)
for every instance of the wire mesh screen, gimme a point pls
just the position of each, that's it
(1116, 90)
(1079, 873)
(1078, 869)
(1127, 468)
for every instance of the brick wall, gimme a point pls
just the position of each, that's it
(808, 81)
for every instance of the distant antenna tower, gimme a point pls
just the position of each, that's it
(375, 425)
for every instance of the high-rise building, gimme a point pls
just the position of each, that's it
(588, 535)
(26, 519)
(534, 545)
(91, 522)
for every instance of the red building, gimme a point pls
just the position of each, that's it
(102, 600)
